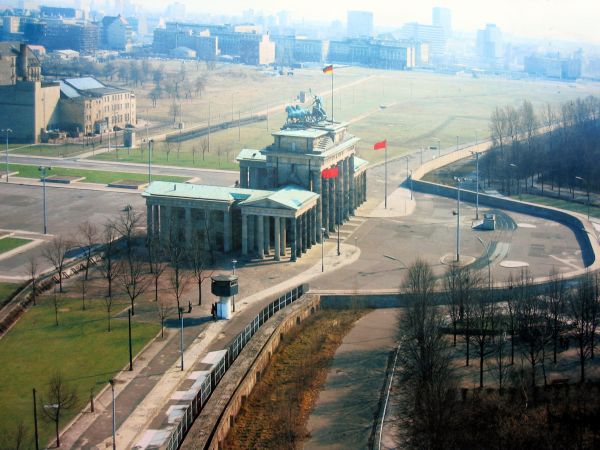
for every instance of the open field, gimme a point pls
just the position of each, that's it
(10, 243)
(91, 176)
(80, 347)
(560, 203)
(410, 109)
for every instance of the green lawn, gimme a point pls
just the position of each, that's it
(57, 151)
(6, 290)
(9, 243)
(80, 347)
(91, 176)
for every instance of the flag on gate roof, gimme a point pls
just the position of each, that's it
(328, 69)
(330, 173)
(379, 145)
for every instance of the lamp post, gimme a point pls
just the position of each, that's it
(577, 178)
(233, 263)
(43, 170)
(477, 187)
(7, 130)
(514, 166)
(486, 247)
(458, 180)
(150, 148)
(322, 250)
(114, 415)
(35, 422)
(130, 349)
(406, 158)
(438, 146)
(181, 336)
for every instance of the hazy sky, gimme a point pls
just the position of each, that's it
(548, 19)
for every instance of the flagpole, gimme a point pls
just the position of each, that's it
(332, 95)
(385, 183)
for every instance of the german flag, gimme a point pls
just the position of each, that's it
(328, 69)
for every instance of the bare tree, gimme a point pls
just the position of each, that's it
(56, 254)
(17, 438)
(89, 236)
(178, 277)
(500, 364)
(197, 260)
(533, 330)
(203, 147)
(156, 263)
(83, 284)
(484, 327)
(581, 312)
(32, 271)
(555, 299)
(163, 309)
(56, 303)
(109, 254)
(59, 399)
(131, 272)
(174, 110)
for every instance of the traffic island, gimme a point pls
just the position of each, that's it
(63, 179)
(128, 184)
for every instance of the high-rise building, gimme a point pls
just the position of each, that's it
(442, 17)
(489, 43)
(431, 35)
(360, 24)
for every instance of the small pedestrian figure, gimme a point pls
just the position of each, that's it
(213, 311)
(189, 307)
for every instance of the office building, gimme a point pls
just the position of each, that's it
(442, 17)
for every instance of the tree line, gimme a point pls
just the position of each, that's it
(554, 148)
(514, 338)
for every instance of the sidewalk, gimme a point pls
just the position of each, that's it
(77, 185)
(144, 397)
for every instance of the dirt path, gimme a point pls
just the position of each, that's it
(347, 406)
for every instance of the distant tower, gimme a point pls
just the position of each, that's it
(489, 42)
(360, 24)
(442, 17)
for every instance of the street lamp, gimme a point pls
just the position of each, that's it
(514, 166)
(406, 157)
(438, 146)
(150, 148)
(458, 180)
(114, 415)
(586, 188)
(7, 130)
(322, 250)
(233, 263)
(477, 187)
(43, 170)
(181, 336)
(486, 247)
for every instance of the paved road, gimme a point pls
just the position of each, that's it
(204, 176)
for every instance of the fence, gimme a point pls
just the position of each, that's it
(233, 350)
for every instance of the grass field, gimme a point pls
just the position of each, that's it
(91, 176)
(560, 203)
(410, 109)
(56, 151)
(80, 347)
(6, 290)
(10, 243)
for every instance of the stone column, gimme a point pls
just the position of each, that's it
(317, 184)
(324, 204)
(206, 226)
(155, 220)
(283, 236)
(276, 233)
(267, 237)
(244, 234)
(188, 227)
(243, 176)
(364, 186)
(251, 232)
(294, 240)
(352, 185)
(149, 227)
(341, 191)
(227, 238)
(305, 245)
(299, 236)
(332, 204)
(338, 194)
(346, 189)
(260, 236)
(167, 220)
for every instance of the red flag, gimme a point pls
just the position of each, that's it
(330, 173)
(380, 145)
(328, 69)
